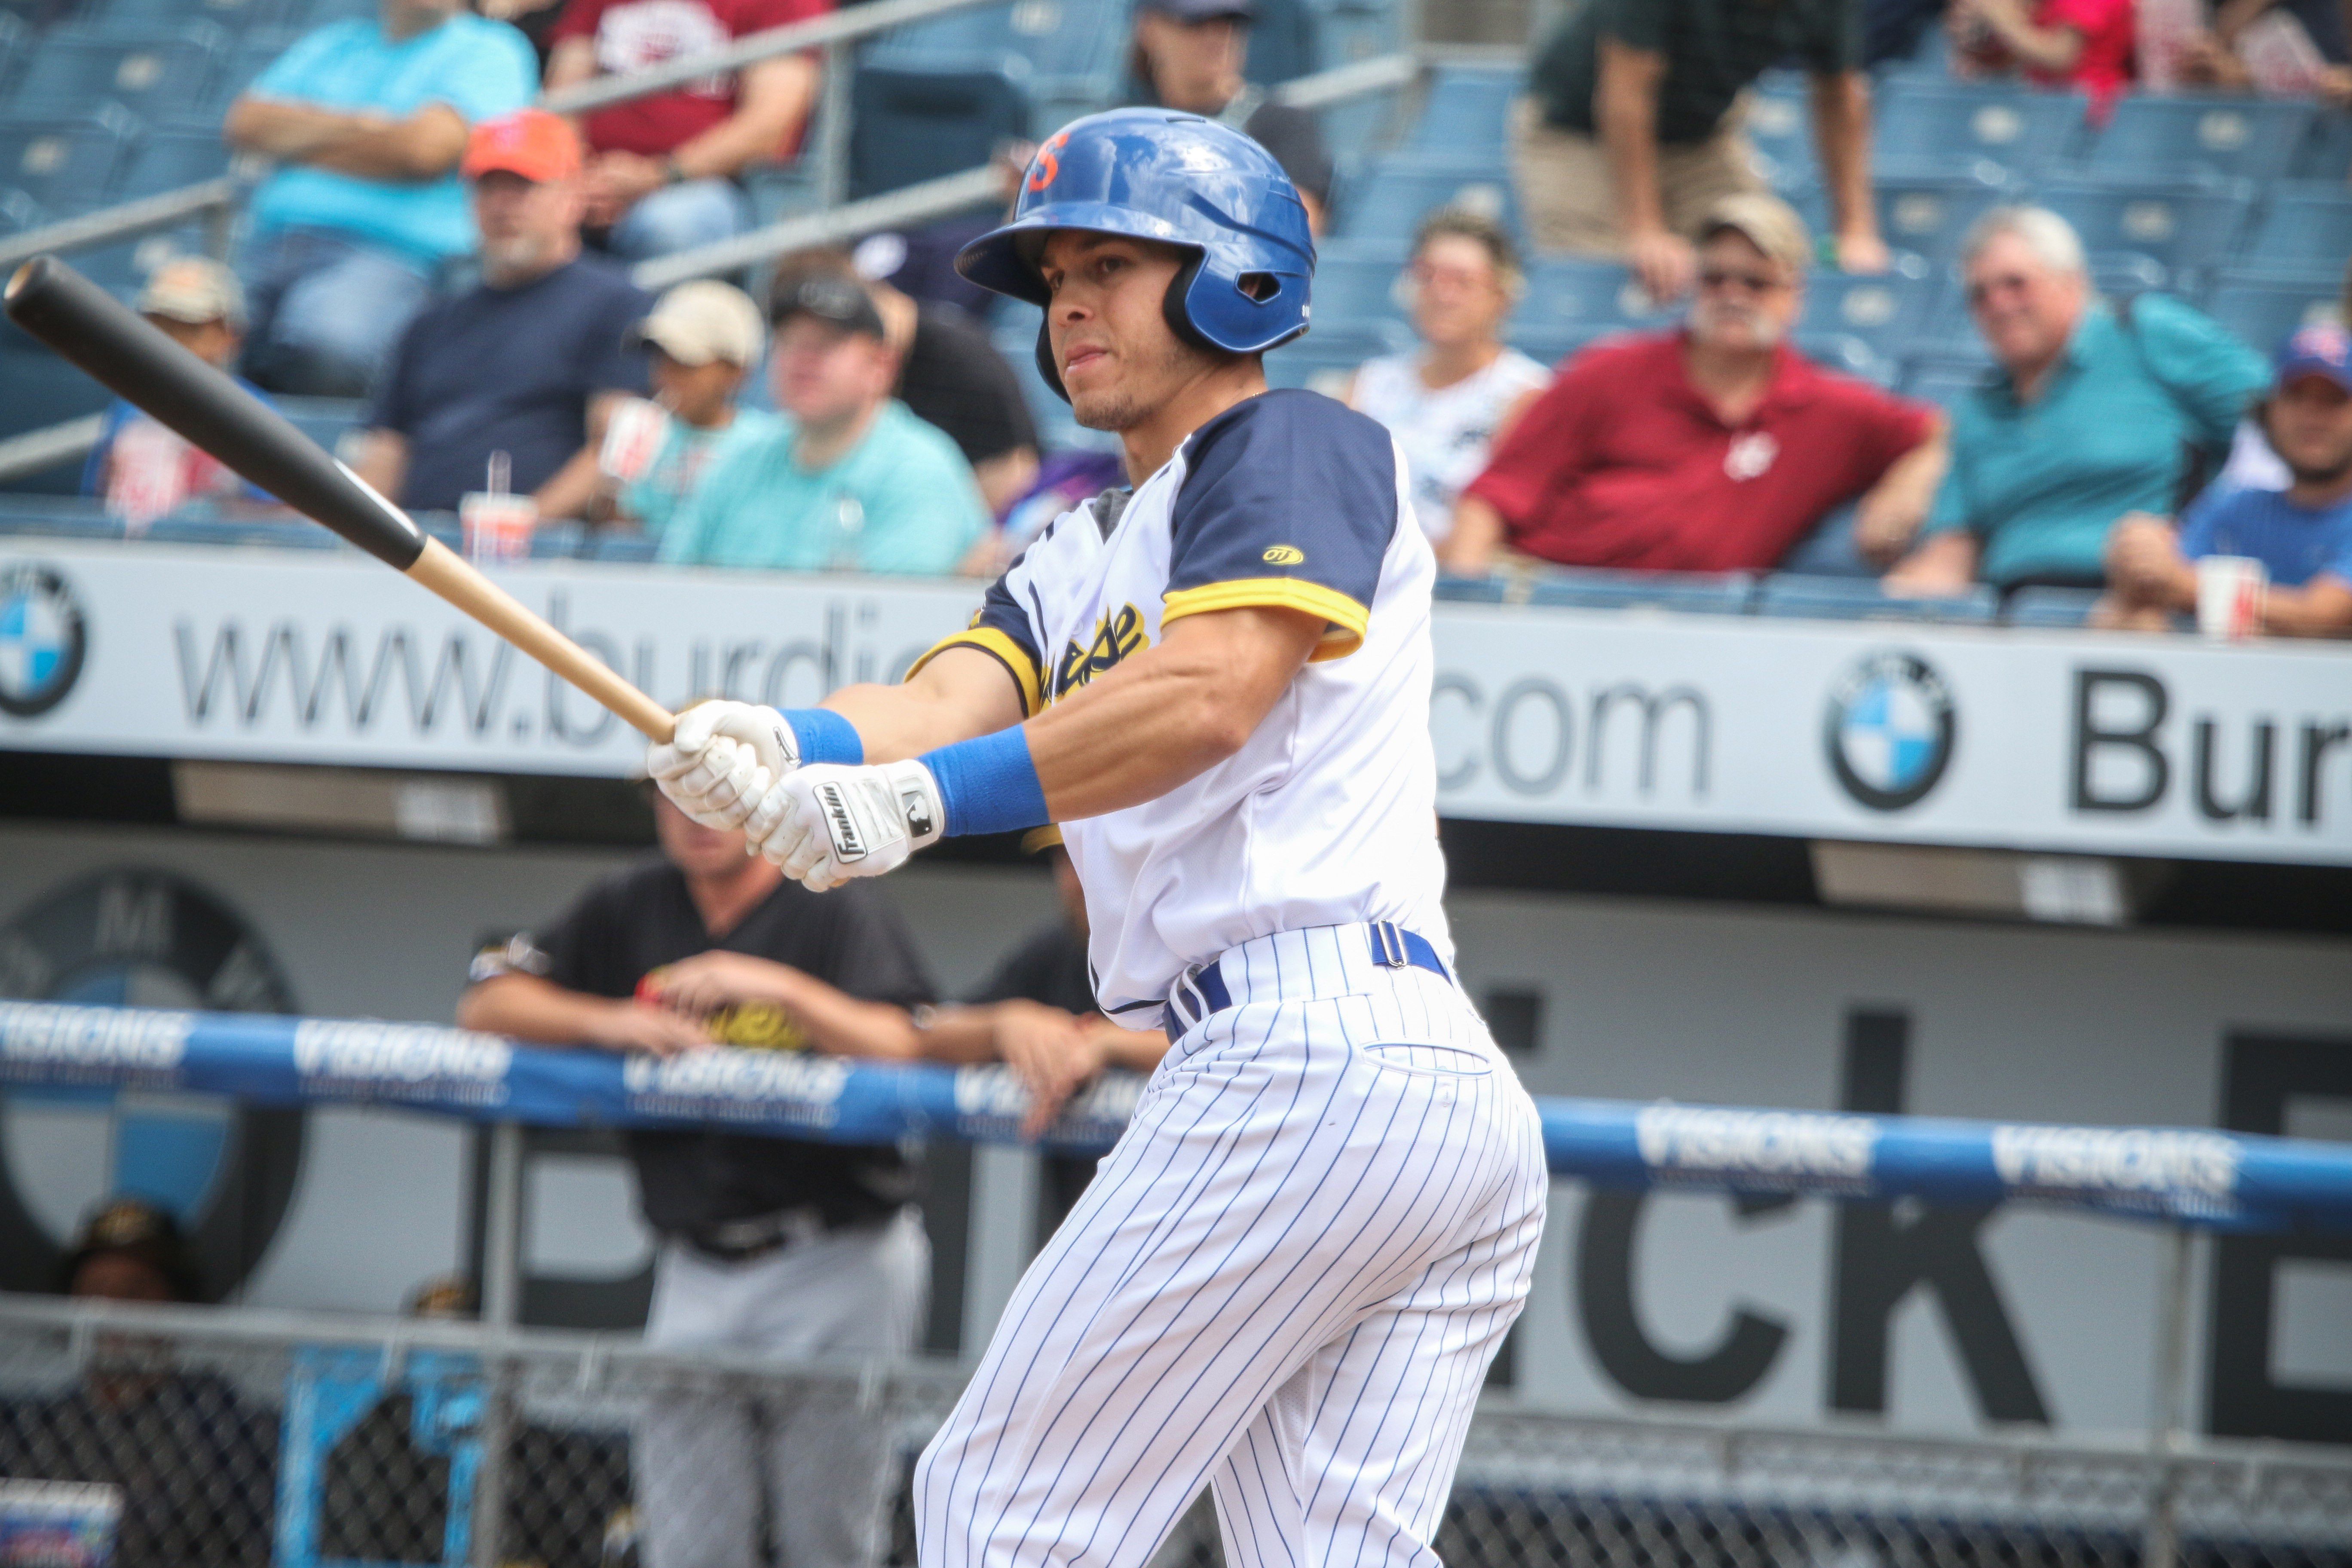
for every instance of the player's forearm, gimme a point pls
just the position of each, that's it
(960, 694)
(525, 1007)
(1169, 714)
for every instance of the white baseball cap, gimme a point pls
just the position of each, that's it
(194, 289)
(706, 320)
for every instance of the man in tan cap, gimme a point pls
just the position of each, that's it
(1716, 447)
(703, 340)
(142, 470)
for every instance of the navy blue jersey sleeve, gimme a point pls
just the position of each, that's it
(1002, 629)
(1290, 499)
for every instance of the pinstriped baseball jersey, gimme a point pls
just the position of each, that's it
(1328, 814)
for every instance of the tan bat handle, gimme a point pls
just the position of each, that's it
(449, 574)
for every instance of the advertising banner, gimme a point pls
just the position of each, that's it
(1871, 730)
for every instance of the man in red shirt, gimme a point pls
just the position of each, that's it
(1713, 449)
(662, 169)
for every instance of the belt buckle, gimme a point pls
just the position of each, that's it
(1387, 944)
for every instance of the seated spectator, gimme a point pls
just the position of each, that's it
(366, 121)
(142, 468)
(1631, 134)
(2252, 466)
(197, 1466)
(950, 375)
(2091, 411)
(852, 482)
(2086, 44)
(1713, 449)
(1189, 55)
(2302, 536)
(702, 340)
(663, 170)
(532, 361)
(1451, 400)
(2289, 48)
(768, 1246)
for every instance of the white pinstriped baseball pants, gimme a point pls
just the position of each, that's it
(1288, 1279)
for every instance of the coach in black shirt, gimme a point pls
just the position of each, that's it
(771, 1246)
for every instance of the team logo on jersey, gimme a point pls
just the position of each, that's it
(42, 639)
(1283, 555)
(1115, 637)
(1889, 731)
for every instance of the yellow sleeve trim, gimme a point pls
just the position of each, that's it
(1347, 619)
(1005, 650)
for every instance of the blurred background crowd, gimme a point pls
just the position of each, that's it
(2011, 308)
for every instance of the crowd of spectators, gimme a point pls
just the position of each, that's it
(432, 244)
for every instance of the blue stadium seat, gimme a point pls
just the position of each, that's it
(1846, 354)
(64, 165)
(1928, 215)
(167, 160)
(2017, 129)
(2326, 152)
(38, 390)
(1552, 349)
(611, 546)
(558, 542)
(1695, 593)
(1470, 590)
(1861, 599)
(2050, 607)
(1282, 40)
(1467, 113)
(1055, 49)
(2175, 225)
(1323, 359)
(1944, 382)
(251, 55)
(1885, 312)
(325, 420)
(1354, 289)
(2172, 139)
(2305, 228)
(909, 125)
(1388, 201)
(200, 523)
(156, 75)
(1346, 31)
(1779, 128)
(2263, 311)
(1588, 297)
(235, 16)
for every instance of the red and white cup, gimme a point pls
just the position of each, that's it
(2230, 591)
(497, 527)
(633, 438)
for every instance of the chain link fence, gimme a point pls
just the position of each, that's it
(236, 1438)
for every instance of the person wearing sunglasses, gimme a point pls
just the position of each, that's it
(2091, 411)
(1716, 447)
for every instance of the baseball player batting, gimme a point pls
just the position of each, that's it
(1290, 1276)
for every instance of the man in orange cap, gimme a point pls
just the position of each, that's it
(532, 361)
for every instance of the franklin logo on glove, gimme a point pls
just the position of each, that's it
(848, 844)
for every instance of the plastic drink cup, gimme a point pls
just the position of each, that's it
(497, 526)
(633, 437)
(2229, 590)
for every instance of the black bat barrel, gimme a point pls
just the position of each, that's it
(130, 356)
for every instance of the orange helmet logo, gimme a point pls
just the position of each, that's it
(1045, 168)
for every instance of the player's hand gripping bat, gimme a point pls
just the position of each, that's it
(130, 355)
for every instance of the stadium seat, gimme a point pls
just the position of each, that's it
(64, 165)
(558, 542)
(2017, 129)
(1470, 590)
(610, 546)
(235, 16)
(1928, 215)
(909, 125)
(1588, 297)
(2172, 139)
(2177, 226)
(1552, 349)
(1847, 354)
(157, 74)
(325, 420)
(249, 57)
(2306, 228)
(1885, 312)
(167, 160)
(1695, 593)
(2263, 311)
(200, 523)
(2326, 152)
(1467, 113)
(1780, 131)
(2050, 607)
(1861, 599)
(1282, 40)
(38, 390)
(1323, 359)
(1944, 382)
(1352, 289)
(1056, 48)
(1387, 201)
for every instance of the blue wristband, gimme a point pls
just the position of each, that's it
(990, 785)
(825, 736)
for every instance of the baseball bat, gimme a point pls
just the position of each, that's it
(133, 358)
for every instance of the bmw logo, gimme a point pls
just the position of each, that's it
(41, 640)
(1889, 733)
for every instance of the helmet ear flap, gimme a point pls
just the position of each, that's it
(1046, 365)
(1174, 307)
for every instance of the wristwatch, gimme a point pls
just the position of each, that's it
(671, 173)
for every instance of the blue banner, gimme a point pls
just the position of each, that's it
(2189, 1175)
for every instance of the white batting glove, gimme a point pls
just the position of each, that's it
(724, 757)
(826, 823)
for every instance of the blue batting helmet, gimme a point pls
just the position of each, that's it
(1159, 175)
